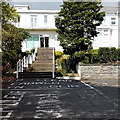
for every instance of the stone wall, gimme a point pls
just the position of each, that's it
(98, 72)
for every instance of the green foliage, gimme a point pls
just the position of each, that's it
(27, 52)
(104, 54)
(11, 36)
(107, 54)
(58, 54)
(10, 57)
(76, 27)
(118, 54)
(94, 51)
(113, 54)
(9, 14)
(80, 54)
(33, 50)
(95, 58)
(61, 64)
(85, 60)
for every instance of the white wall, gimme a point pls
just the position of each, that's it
(52, 40)
(110, 40)
(42, 28)
(25, 20)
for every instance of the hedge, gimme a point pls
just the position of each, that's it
(106, 55)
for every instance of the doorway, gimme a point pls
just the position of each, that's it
(44, 41)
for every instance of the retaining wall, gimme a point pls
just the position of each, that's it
(98, 72)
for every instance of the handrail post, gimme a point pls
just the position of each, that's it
(25, 61)
(22, 64)
(17, 71)
(53, 74)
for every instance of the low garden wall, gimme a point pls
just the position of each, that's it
(98, 72)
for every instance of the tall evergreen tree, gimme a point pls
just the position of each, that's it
(76, 26)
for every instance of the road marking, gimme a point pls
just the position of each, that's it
(100, 93)
(7, 115)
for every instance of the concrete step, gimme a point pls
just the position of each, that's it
(35, 75)
(42, 70)
(45, 55)
(47, 48)
(40, 65)
(45, 51)
(43, 60)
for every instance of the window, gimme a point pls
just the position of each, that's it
(45, 18)
(33, 41)
(33, 20)
(113, 21)
(19, 8)
(17, 24)
(105, 32)
(100, 33)
(55, 16)
(104, 21)
(56, 37)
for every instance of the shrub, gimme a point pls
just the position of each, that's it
(118, 54)
(85, 60)
(113, 54)
(94, 51)
(32, 50)
(62, 65)
(80, 55)
(104, 54)
(58, 54)
(27, 52)
(95, 58)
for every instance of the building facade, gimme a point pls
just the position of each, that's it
(108, 30)
(41, 26)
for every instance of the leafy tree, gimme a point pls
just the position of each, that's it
(9, 15)
(11, 36)
(76, 26)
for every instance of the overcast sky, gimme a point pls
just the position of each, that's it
(54, 0)
(52, 4)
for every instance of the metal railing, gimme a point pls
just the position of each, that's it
(53, 69)
(25, 62)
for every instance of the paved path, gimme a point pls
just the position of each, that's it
(47, 98)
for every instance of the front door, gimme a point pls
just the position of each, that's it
(44, 41)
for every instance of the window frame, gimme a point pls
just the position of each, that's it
(45, 18)
(33, 21)
(113, 20)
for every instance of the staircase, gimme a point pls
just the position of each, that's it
(42, 67)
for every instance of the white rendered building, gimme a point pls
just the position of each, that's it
(41, 25)
(108, 30)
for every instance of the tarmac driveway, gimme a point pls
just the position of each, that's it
(48, 99)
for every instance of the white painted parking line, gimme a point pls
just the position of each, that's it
(100, 93)
(8, 114)
(10, 104)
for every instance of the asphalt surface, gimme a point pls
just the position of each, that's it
(51, 99)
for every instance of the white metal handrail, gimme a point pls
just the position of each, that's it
(53, 71)
(23, 63)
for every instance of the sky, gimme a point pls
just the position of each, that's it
(52, 4)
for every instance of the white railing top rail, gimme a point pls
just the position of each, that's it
(25, 61)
